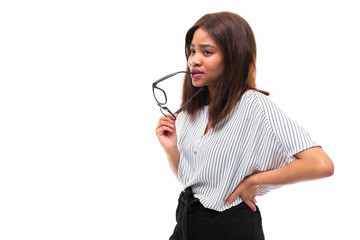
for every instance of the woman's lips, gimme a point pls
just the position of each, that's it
(196, 74)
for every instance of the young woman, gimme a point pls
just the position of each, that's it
(231, 143)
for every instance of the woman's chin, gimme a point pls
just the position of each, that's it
(197, 83)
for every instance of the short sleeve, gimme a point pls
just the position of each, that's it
(291, 136)
(287, 136)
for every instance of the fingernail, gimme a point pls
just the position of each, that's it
(227, 203)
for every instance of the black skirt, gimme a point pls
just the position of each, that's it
(195, 222)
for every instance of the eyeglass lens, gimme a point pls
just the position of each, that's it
(160, 96)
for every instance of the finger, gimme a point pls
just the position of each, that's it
(231, 198)
(251, 205)
(165, 122)
(171, 117)
(160, 130)
(168, 118)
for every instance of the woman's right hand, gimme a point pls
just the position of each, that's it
(166, 133)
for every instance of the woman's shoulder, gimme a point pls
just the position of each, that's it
(257, 104)
(251, 93)
(249, 106)
(258, 98)
(254, 98)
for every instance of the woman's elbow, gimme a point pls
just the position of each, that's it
(319, 163)
(328, 168)
(325, 165)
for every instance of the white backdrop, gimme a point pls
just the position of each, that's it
(78, 155)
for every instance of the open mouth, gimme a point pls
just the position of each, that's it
(196, 74)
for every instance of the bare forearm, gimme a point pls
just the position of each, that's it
(166, 133)
(310, 164)
(291, 173)
(173, 157)
(306, 167)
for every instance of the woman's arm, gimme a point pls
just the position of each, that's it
(173, 159)
(166, 133)
(310, 164)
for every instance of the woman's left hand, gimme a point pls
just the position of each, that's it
(312, 163)
(247, 192)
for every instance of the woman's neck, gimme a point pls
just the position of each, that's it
(211, 94)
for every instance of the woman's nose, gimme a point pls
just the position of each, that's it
(195, 60)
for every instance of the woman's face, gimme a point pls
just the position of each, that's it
(206, 60)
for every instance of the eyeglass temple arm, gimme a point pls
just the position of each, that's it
(188, 101)
(167, 76)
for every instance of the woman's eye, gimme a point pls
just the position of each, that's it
(207, 52)
(192, 51)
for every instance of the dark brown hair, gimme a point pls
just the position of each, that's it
(237, 42)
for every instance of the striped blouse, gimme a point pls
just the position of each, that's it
(256, 136)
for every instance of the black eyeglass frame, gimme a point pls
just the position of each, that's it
(161, 104)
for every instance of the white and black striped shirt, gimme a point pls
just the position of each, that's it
(256, 136)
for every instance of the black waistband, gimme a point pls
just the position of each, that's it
(187, 195)
(190, 207)
(188, 204)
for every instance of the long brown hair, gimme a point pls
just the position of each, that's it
(237, 42)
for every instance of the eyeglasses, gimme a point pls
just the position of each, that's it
(161, 98)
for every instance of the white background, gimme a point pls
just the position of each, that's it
(78, 155)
